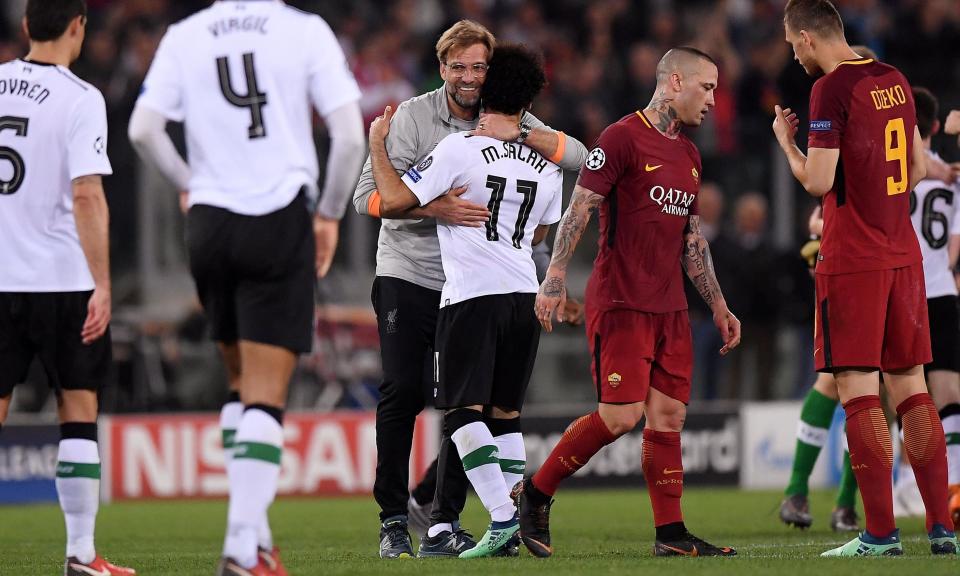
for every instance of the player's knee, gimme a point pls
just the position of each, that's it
(621, 422)
(668, 418)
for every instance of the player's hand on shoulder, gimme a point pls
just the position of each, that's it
(552, 297)
(952, 125)
(729, 326)
(497, 126)
(785, 124)
(452, 209)
(98, 315)
(326, 232)
(937, 169)
(380, 126)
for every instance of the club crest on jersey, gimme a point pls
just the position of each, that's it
(422, 167)
(614, 379)
(696, 175)
(596, 158)
(672, 201)
(820, 125)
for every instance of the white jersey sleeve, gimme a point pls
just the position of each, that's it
(955, 221)
(163, 87)
(438, 172)
(87, 138)
(555, 208)
(331, 82)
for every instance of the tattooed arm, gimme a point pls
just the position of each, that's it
(698, 264)
(553, 291)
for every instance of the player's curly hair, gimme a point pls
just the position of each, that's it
(515, 78)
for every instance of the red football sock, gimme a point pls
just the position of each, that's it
(663, 469)
(580, 441)
(925, 445)
(871, 458)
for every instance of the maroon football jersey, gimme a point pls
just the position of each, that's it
(650, 183)
(865, 108)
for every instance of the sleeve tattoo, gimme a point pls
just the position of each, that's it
(583, 204)
(698, 264)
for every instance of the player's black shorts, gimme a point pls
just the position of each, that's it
(255, 274)
(485, 350)
(46, 326)
(944, 333)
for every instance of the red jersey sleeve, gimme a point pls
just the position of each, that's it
(607, 161)
(828, 114)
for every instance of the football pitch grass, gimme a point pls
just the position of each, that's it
(599, 532)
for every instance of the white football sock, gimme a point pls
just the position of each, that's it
(951, 430)
(482, 465)
(253, 473)
(78, 488)
(513, 457)
(230, 416)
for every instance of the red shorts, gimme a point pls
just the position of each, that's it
(874, 319)
(633, 351)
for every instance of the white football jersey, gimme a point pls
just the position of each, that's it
(53, 128)
(935, 215)
(242, 76)
(521, 189)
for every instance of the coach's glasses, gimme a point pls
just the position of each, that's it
(458, 69)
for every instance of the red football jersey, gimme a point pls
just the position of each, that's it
(865, 108)
(650, 183)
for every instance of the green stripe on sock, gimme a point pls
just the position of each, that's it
(257, 451)
(953, 437)
(229, 435)
(480, 456)
(78, 470)
(513, 466)
(847, 496)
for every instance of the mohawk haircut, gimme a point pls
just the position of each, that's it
(680, 58)
(515, 78)
(817, 16)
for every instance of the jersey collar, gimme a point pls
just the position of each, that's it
(856, 61)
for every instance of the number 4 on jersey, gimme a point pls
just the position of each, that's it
(254, 99)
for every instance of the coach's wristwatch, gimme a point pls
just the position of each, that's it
(525, 130)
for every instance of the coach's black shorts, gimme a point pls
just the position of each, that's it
(485, 350)
(46, 326)
(255, 274)
(944, 333)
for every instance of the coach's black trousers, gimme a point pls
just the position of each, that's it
(407, 321)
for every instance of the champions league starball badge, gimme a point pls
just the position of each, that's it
(596, 158)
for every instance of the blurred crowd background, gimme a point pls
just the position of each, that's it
(601, 56)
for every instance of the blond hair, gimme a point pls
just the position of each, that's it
(464, 34)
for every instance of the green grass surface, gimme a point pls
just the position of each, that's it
(594, 533)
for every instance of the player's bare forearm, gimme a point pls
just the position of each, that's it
(698, 264)
(953, 250)
(395, 197)
(798, 165)
(93, 223)
(918, 168)
(583, 204)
